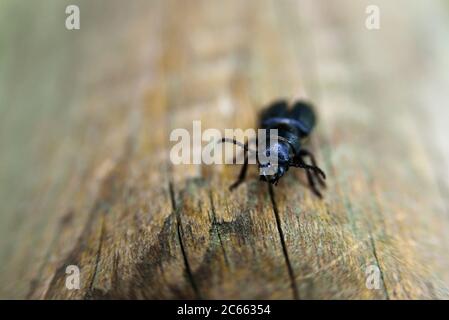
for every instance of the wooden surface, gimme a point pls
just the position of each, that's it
(86, 178)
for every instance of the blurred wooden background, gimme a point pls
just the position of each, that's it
(85, 177)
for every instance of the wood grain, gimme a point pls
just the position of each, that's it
(87, 178)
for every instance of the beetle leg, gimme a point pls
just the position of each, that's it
(242, 174)
(299, 162)
(320, 175)
(312, 184)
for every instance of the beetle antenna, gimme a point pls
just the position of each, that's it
(237, 143)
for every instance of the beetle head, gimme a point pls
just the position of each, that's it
(275, 163)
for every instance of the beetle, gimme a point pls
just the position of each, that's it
(294, 125)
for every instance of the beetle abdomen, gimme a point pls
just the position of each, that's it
(303, 112)
(300, 118)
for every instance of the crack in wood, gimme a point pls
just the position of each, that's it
(284, 247)
(188, 270)
(90, 292)
(384, 285)
(217, 231)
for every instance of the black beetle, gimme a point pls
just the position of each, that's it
(294, 126)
